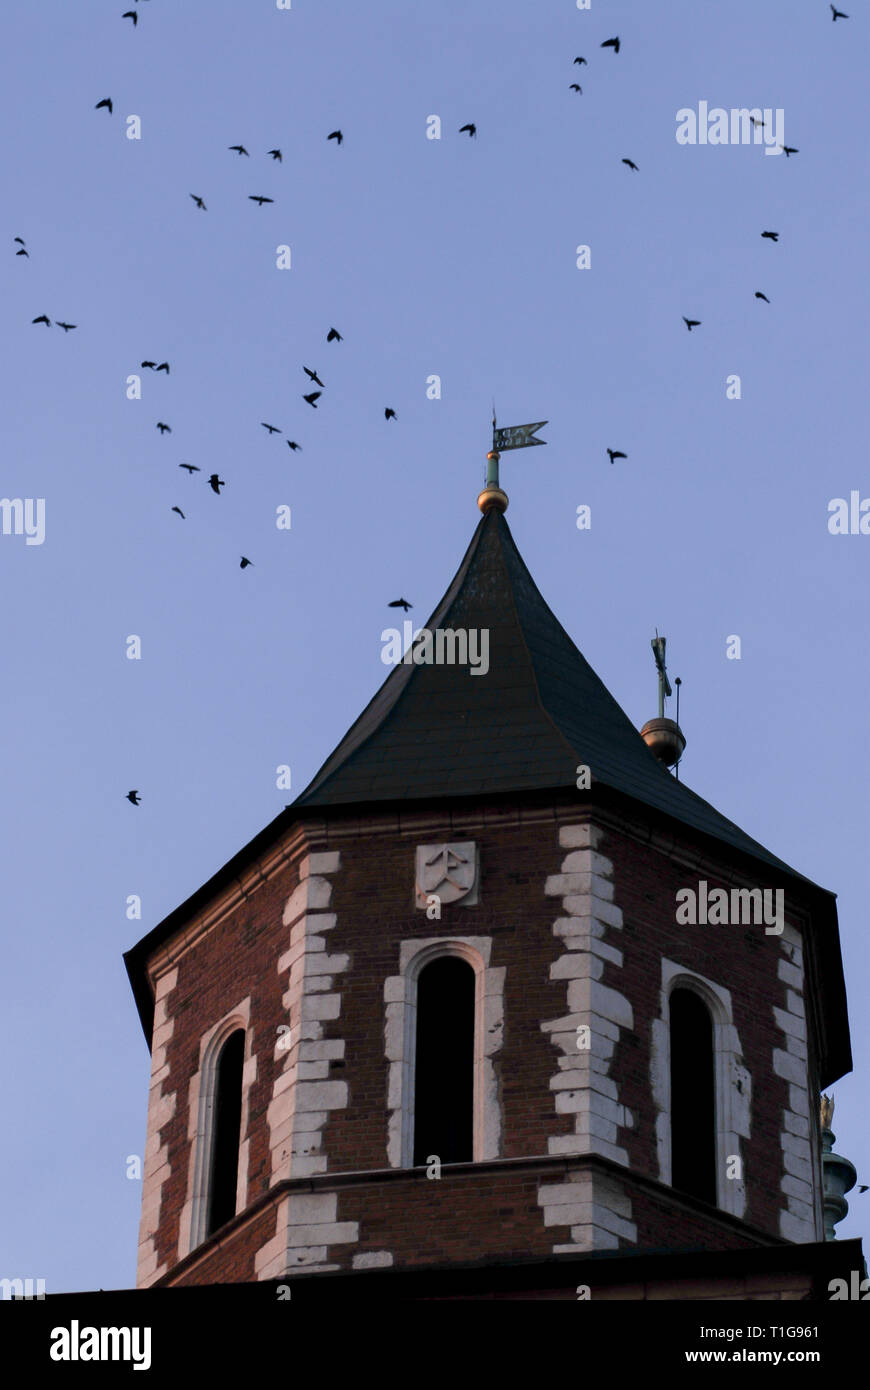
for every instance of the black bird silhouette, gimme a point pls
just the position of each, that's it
(164, 429)
(255, 198)
(611, 43)
(759, 295)
(65, 326)
(838, 14)
(199, 203)
(107, 102)
(789, 150)
(239, 148)
(755, 122)
(336, 135)
(23, 252)
(631, 164)
(862, 1186)
(312, 399)
(400, 603)
(134, 797)
(276, 154)
(581, 60)
(245, 562)
(20, 240)
(313, 375)
(164, 367)
(771, 236)
(216, 483)
(147, 364)
(691, 323)
(180, 512)
(43, 318)
(131, 14)
(191, 467)
(616, 454)
(273, 429)
(471, 128)
(291, 444)
(390, 414)
(334, 335)
(575, 87)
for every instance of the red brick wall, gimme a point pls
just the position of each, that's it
(373, 899)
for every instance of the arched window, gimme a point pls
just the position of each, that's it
(693, 1096)
(224, 1177)
(444, 1062)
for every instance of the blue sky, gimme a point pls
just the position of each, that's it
(453, 257)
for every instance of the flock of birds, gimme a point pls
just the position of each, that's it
(214, 481)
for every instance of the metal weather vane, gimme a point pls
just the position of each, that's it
(509, 437)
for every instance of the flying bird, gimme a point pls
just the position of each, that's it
(276, 154)
(838, 14)
(107, 102)
(759, 295)
(334, 335)
(23, 252)
(755, 122)
(771, 236)
(199, 203)
(581, 61)
(43, 318)
(611, 43)
(216, 483)
(631, 164)
(273, 429)
(256, 198)
(789, 150)
(180, 512)
(164, 429)
(575, 87)
(313, 375)
(148, 364)
(291, 444)
(390, 414)
(471, 128)
(335, 135)
(691, 323)
(239, 148)
(312, 399)
(20, 240)
(164, 367)
(245, 562)
(616, 454)
(131, 14)
(400, 603)
(191, 467)
(65, 326)
(134, 797)
(862, 1187)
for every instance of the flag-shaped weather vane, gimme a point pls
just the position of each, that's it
(509, 437)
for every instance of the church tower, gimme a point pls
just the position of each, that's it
(496, 991)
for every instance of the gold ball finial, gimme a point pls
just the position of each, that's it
(492, 497)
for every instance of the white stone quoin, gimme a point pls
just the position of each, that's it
(802, 1220)
(303, 1095)
(596, 1207)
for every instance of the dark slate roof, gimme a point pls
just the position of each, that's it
(539, 712)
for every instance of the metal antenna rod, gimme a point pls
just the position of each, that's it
(677, 682)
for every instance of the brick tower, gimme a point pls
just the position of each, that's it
(450, 1010)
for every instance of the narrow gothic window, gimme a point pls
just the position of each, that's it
(444, 1072)
(693, 1097)
(227, 1132)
